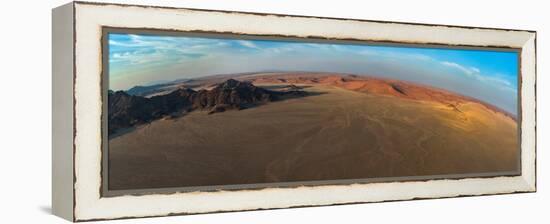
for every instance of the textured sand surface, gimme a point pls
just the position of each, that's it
(339, 134)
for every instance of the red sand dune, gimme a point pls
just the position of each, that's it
(378, 86)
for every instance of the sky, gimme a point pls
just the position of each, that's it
(490, 76)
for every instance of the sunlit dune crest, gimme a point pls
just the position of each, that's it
(379, 86)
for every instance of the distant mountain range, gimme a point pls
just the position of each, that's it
(144, 90)
(129, 108)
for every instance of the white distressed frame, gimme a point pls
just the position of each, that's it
(89, 20)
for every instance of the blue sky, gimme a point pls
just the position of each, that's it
(490, 76)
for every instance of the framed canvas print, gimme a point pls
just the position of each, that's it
(164, 111)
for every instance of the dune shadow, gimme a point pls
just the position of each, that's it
(282, 86)
(121, 132)
(298, 94)
(284, 96)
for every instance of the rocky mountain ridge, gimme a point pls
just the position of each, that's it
(126, 110)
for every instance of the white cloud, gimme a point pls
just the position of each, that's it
(396, 55)
(120, 44)
(137, 49)
(248, 44)
(467, 70)
(494, 79)
(475, 73)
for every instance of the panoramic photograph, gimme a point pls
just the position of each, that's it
(196, 111)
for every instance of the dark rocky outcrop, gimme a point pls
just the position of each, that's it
(127, 110)
(234, 95)
(398, 88)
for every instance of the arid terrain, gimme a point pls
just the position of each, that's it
(302, 127)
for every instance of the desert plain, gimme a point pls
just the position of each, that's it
(345, 127)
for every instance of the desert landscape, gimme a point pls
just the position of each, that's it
(270, 127)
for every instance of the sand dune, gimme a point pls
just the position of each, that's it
(356, 129)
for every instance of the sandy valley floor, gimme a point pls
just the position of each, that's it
(340, 134)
